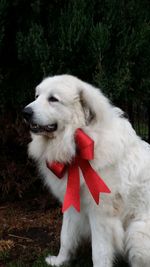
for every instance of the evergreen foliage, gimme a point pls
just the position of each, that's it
(104, 42)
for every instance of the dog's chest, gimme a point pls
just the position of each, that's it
(110, 204)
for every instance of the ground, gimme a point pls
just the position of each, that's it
(29, 231)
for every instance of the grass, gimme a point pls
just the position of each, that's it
(40, 262)
(80, 261)
(4, 256)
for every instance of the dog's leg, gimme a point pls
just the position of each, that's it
(102, 248)
(70, 236)
(138, 243)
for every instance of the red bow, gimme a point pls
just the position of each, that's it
(85, 152)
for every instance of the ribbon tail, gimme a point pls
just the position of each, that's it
(72, 196)
(94, 182)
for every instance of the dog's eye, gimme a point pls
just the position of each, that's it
(36, 96)
(52, 99)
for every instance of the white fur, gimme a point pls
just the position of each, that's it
(121, 222)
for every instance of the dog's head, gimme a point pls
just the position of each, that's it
(64, 101)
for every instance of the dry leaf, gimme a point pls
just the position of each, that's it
(6, 245)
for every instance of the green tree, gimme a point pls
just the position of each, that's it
(104, 42)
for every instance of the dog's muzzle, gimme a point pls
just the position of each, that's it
(34, 127)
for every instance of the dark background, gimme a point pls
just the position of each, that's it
(104, 42)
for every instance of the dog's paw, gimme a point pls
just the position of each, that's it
(54, 260)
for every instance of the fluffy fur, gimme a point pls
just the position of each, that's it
(121, 222)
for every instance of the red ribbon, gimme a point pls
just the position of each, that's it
(85, 152)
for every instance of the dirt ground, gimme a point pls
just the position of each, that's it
(28, 229)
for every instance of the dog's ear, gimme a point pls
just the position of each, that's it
(88, 111)
(95, 105)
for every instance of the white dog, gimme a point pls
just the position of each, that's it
(121, 221)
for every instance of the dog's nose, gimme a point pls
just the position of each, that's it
(27, 113)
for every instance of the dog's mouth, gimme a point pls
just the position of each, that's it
(38, 129)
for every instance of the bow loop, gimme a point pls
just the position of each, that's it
(57, 168)
(85, 145)
(85, 152)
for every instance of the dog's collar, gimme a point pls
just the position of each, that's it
(85, 152)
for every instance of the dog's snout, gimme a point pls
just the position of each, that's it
(27, 113)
